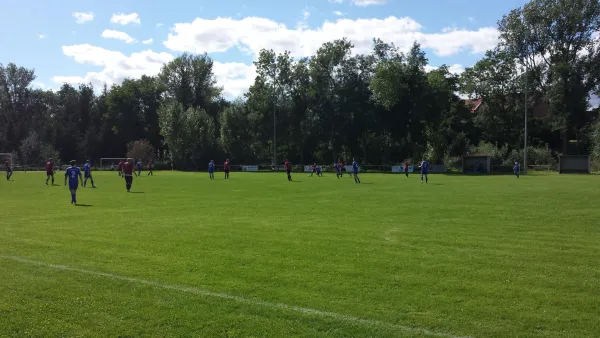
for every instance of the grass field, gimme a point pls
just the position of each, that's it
(258, 256)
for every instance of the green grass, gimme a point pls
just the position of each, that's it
(466, 256)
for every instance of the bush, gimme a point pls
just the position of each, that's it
(453, 163)
(140, 150)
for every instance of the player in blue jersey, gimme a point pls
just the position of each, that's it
(336, 166)
(319, 172)
(516, 169)
(424, 171)
(211, 169)
(355, 171)
(87, 174)
(139, 167)
(73, 175)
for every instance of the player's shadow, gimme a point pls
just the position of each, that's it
(296, 181)
(137, 192)
(366, 183)
(83, 205)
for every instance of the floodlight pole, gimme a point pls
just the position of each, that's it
(274, 129)
(526, 105)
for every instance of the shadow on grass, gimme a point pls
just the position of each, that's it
(137, 192)
(83, 205)
(296, 181)
(365, 183)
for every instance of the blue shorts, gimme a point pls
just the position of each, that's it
(211, 171)
(88, 175)
(424, 172)
(73, 186)
(355, 172)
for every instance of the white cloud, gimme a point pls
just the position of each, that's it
(82, 17)
(41, 36)
(159, 25)
(113, 34)
(125, 19)
(253, 34)
(338, 13)
(455, 68)
(471, 19)
(147, 42)
(364, 3)
(235, 77)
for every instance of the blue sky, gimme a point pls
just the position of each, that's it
(48, 36)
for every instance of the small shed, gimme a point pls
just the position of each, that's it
(574, 164)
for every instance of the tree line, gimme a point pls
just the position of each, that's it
(380, 107)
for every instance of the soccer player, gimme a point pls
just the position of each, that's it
(336, 166)
(87, 174)
(211, 169)
(49, 171)
(73, 174)
(150, 168)
(406, 167)
(516, 169)
(355, 170)
(314, 169)
(120, 166)
(288, 169)
(139, 167)
(424, 171)
(342, 168)
(226, 169)
(319, 173)
(128, 174)
(8, 169)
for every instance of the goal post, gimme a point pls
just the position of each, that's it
(107, 162)
(574, 164)
(479, 164)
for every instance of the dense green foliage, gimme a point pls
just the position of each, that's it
(381, 107)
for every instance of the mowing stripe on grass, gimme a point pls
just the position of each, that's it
(206, 293)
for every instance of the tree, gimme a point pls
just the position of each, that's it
(236, 136)
(140, 150)
(553, 41)
(188, 133)
(495, 80)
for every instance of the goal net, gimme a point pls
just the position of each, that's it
(108, 163)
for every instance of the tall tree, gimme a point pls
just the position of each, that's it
(553, 41)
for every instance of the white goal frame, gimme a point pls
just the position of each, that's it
(111, 160)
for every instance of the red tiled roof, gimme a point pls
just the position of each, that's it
(473, 104)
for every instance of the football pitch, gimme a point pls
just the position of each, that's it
(183, 256)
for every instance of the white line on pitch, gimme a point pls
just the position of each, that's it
(206, 293)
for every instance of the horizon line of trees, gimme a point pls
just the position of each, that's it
(380, 107)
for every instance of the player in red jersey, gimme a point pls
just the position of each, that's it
(226, 168)
(128, 173)
(342, 169)
(288, 169)
(314, 169)
(49, 171)
(406, 167)
(120, 167)
(150, 168)
(8, 169)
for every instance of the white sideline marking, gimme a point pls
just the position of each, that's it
(206, 293)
